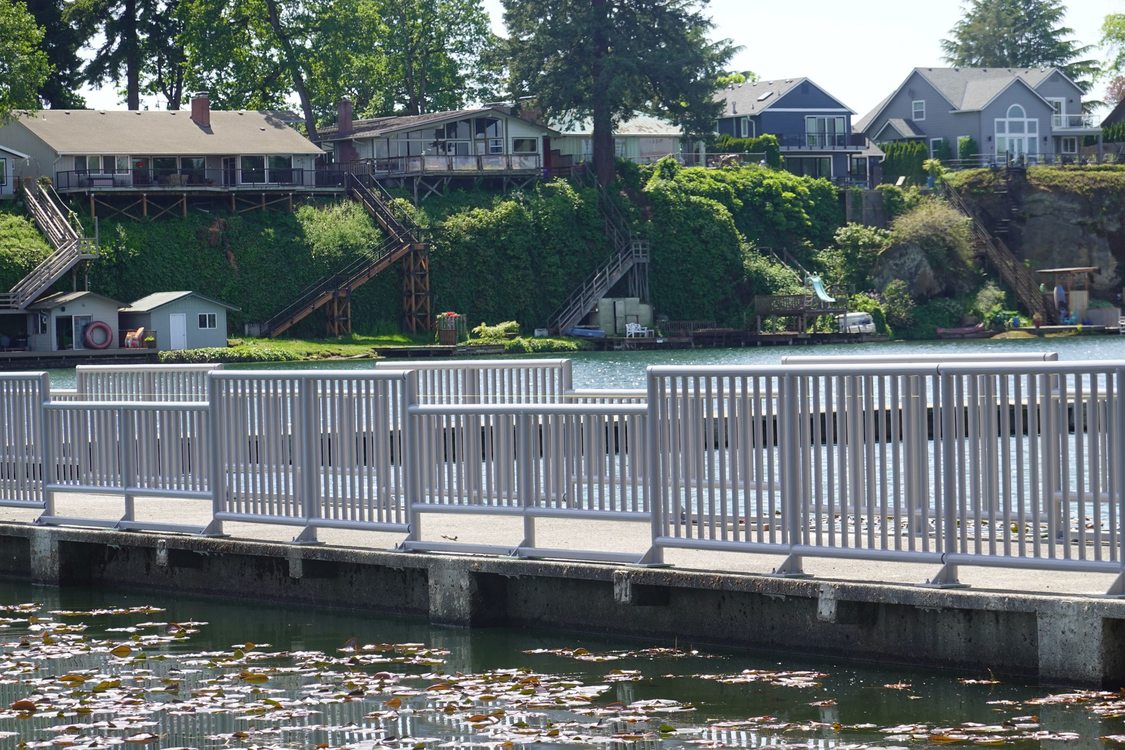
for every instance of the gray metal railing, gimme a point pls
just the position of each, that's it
(993, 463)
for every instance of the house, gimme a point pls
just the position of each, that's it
(483, 140)
(642, 140)
(8, 159)
(73, 320)
(177, 320)
(813, 128)
(145, 151)
(1116, 115)
(1028, 114)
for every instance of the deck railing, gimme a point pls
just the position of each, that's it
(996, 463)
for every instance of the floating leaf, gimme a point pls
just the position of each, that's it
(122, 650)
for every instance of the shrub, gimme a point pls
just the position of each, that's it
(904, 159)
(898, 305)
(849, 263)
(227, 354)
(940, 231)
(967, 148)
(939, 312)
(524, 345)
(897, 201)
(498, 332)
(764, 144)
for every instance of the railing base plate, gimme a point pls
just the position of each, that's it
(946, 578)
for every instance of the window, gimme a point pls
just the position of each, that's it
(525, 146)
(37, 324)
(3, 171)
(495, 145)
(121, 164)
(88, 164)
(164, 168)
(937, 145)
(824, 132)
(745, 127)
(1070, 145)
(281, 169)
(193, 169)
(207, 320)
(253, 169)
(918, 109)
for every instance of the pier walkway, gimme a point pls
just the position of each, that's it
(816, 506)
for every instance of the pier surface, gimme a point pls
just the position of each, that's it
(1054, 626)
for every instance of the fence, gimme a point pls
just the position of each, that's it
(1003, 463)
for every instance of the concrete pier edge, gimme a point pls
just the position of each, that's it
(1063, 640)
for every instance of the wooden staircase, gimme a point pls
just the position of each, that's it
(1015, 275)
(334, 292)
(630, 258)
(63, 232)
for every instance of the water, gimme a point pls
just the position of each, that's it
(626, 369)
(206, 675)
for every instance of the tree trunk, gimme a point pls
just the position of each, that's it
(602, 111)
(132, 56)
(294, 67)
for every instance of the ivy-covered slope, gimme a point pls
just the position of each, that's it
(493, 257)
(21, 247)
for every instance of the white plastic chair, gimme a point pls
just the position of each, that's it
(636, 330)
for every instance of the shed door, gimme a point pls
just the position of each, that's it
(177, 331)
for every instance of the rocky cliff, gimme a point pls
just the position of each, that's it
(1057, 216)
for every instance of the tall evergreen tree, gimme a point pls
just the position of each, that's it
(61, 41)
(610, 59)
(23, 64)
(1018, 34)
(117, 23)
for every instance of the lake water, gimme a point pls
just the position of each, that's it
(626, 369)
(89, 669)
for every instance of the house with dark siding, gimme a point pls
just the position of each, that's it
(813, 128)
(1011, 114)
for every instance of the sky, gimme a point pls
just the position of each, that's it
(857, 50)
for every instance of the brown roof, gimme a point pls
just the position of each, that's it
(160, 133)
(377, 126)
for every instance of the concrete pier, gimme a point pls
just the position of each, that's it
(1057, 637)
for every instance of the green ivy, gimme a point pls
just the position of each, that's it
(766, 144)
(904, 159)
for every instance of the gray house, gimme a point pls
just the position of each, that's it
(73, 320)
(1026, 114)
(177, 320)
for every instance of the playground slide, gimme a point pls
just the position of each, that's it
(818, 287)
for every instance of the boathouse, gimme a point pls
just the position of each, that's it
(73, 320)
(177, 320)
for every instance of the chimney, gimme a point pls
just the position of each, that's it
(344, 117)
(201, 110)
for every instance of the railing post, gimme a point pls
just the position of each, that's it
(46, 441)
(946, 499)
(410, 457)
(306, 431)
(789, 457)
(218, 475)
(654, 487)
(527, 445)
(1117, 433)
(125, 461)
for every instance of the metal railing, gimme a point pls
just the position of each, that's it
(1073, 122)
(995, 463)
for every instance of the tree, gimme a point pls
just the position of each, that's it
(117, 24)
(61, 41)
(1115, 91)
(610, 59)
(1113, 42)
(1018, 34)
(23, 64)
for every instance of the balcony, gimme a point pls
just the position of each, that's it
(1074, 124)
(193, 180)
(821, 141)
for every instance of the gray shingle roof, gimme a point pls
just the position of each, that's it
(749, 99)
(966, 89)
(164, 133)
(62, 298)
(159, 299)
(906, 128)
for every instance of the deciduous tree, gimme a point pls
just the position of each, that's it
(610, 59)
(1018, 34)
(23, 63)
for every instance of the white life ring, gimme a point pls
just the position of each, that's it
(92, 341)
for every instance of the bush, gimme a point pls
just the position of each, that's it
(939, 312)
(898, 305)
(941, 232)
(227, 354)
(764, 144)
(764, 275)
(897, 201)
(524, 345)
(904, 159)
(967, 148)
(498, 332)
(856, 248)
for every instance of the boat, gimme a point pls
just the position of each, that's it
(977, 331)
(590, 332)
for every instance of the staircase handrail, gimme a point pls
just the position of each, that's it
(597, 283)
(71, 218)
(376, 200)
(46, 273)
(338, 280)
(1015, 274)
(46, 209)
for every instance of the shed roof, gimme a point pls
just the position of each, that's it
(164, 133)
(160, 299)
(58, 299)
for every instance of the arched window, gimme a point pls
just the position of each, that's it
(1016, 112)
(1016, 135)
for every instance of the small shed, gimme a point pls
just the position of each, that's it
(177, 320)
(8, 158)
(73, 320)
(1071, 292)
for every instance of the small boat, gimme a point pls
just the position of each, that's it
(964, 332)
(589, 332)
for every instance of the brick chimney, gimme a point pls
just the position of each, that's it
(201, 110)
(344, 117)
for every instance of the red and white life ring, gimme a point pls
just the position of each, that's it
(91, 338)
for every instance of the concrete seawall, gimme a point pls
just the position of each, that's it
(1059, 639)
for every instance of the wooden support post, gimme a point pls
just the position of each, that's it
(183, 198)
(144, 205)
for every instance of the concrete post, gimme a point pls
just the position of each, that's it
(45, 568)
(1073, 647)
